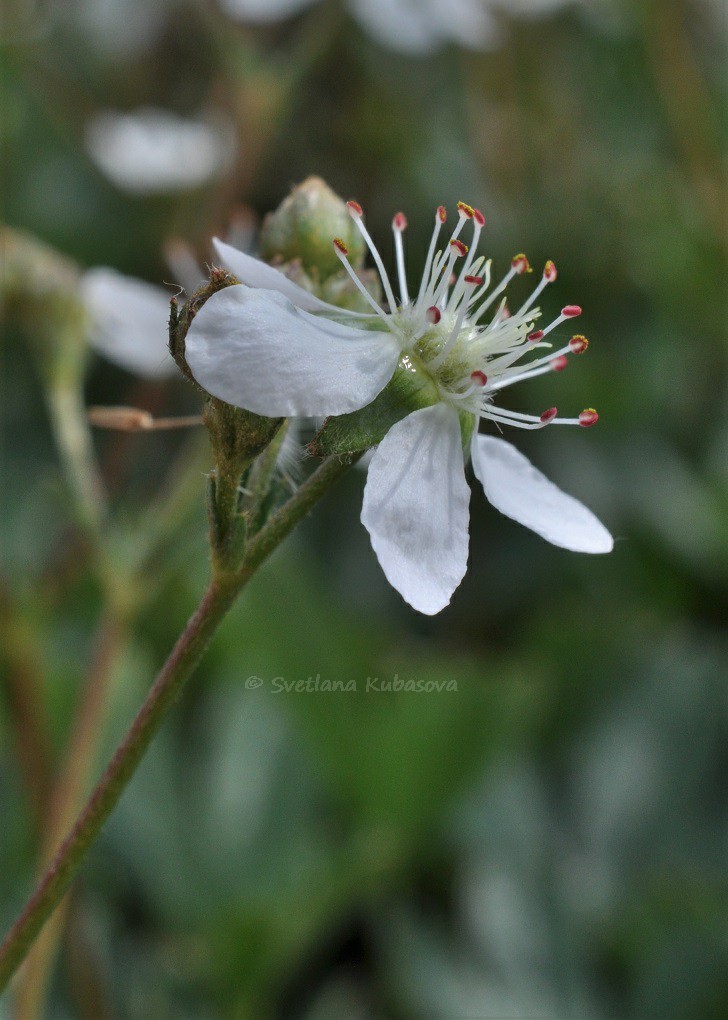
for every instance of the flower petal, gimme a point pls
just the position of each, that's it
(128, 322)
(422, 27)
(152, 151)
(259, 274)
(254, 349)
(416, 507)
(516, 488)
(262, 11)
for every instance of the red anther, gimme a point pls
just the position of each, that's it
(549, 415)
(478, 217)
(578, 343)
(559, 364)
(521, 264)
(400, 221)
(535, 336)
(549, 271)
(459, 247)
(466, 210)
(588, 417)
(571, 311)
(340, 246)
(441, 213)
(479, 377)
(355, 209)
(433, 314)
(476, 281)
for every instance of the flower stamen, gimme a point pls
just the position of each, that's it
(399, 225)
(548, 276)
(342, 251)
(357, 214)
(440, 218)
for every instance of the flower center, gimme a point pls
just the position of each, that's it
(459, 331)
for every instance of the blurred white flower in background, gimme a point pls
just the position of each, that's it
(413, 26)
(420, 27)
(154, 151)
(128, 322)
(128, 318)
(534, 7)
(263, 11)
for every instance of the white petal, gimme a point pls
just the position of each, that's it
(128, 322)
(255, 273)
(416, 507)
(153, 151)
(514, 486)
(418, 27)
(535, 8)
(262, 11)
(254, 349)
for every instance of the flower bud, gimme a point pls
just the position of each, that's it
(303, 226)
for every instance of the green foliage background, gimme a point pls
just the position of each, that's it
(549, 840)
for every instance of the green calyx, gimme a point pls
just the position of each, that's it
(411, 388)
(237, 437)
(408, 390)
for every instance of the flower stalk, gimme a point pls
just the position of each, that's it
(186, 654)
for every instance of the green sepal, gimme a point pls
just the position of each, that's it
(235, 542)
(228, 529)
(213, 518)
(408, 390)
(468, 422)
(237, 437)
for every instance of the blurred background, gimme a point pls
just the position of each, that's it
(549, 839)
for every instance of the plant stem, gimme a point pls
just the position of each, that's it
(68, 416)
(66, 799)
(185, 655)
(23, 679)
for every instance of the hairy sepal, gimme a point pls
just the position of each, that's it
(407, 391)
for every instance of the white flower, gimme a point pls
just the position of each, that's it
(271, 347)
(128, 322)
(412, 26)
(154, 151)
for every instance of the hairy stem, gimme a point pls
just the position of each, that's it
(185, 655)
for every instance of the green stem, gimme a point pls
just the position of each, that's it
(184, 657)
(66, 799)
(22, 672)
(74, 441)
